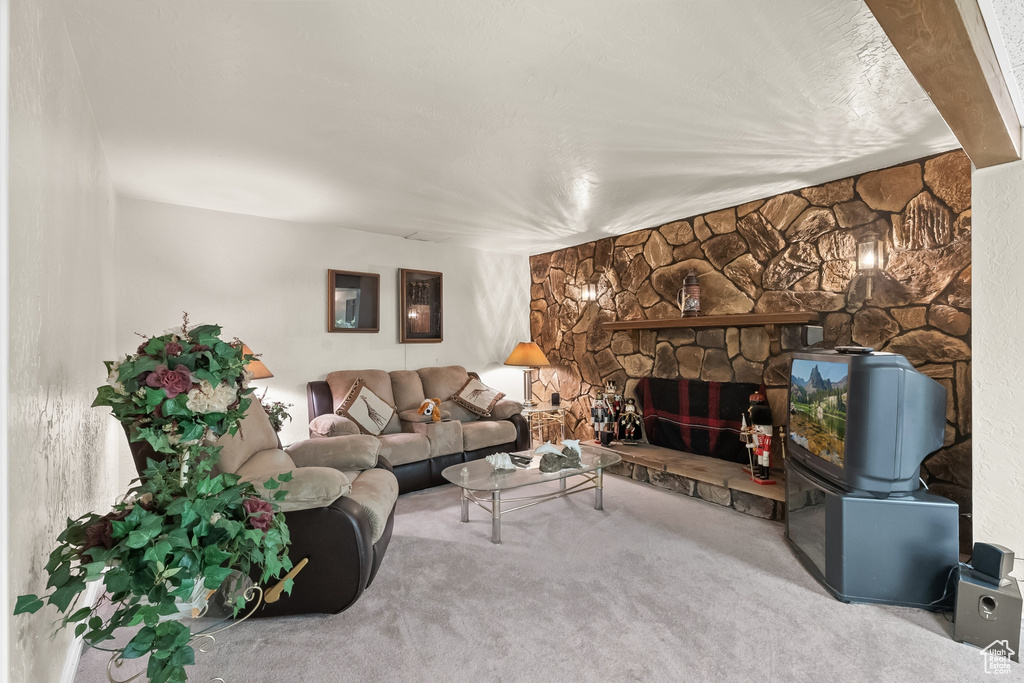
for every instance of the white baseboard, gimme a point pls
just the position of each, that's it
(89, 598)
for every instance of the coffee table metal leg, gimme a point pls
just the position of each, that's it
(465, 505)
(496, 517)
(561, 483)
(599, 491)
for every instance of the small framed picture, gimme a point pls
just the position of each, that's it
(420, 311)
(353, 301)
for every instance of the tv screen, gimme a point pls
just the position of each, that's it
(863, 421)
(818, 397)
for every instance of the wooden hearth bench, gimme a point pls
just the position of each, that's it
(718, 481)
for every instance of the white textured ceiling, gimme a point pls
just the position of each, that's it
(1009, 16)
(522, 125)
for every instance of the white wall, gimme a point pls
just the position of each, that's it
(998, 347)
(265, 281)
(61, 248)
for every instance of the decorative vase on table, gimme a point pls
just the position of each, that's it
(180, 531)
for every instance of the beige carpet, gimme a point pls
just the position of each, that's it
(657, 587)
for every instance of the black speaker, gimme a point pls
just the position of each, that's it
(988, 601)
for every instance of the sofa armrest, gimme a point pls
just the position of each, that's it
(308, 488)
(352, 452)
(332, 425)
(504, 409)
(524, 437)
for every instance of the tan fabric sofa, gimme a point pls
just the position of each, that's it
(416, 447)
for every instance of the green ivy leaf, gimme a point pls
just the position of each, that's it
(63, 596)
(28, 604)
(80, 614)
(141, 644)
(285, 476)
(215, 556)
(215, 576)
(60, 576)
(271, 484)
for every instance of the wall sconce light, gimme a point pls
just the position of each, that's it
(870, 258)
(589, 292)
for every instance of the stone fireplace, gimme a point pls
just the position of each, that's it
(790, 252)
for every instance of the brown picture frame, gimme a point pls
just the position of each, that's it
(353, 301)
(421, 306)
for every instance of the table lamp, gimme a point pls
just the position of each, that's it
(256, 366)
(528, 356)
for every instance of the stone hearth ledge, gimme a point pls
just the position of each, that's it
(717, 481)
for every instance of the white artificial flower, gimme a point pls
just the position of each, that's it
(215, 517)
(113, 379)
(209, 399)
(247, 376)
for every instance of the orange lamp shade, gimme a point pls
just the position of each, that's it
(256, 366)
(527, 355)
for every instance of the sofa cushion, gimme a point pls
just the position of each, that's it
(376, 491)
(367, 409)
(309, 487)
(254, 434)
(442, 381)
(457, 412)
(403, 448)
(487, 433)
(352, 451)
(477, 397)
(378, 381)
(445, 437)
(333, 425)
(407, 389)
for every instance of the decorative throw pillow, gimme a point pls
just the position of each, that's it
(366, 409)
(477, 397)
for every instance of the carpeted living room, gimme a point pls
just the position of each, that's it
(647, 350)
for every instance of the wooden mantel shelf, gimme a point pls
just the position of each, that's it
(735, 320)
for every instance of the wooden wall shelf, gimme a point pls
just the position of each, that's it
(735, 320)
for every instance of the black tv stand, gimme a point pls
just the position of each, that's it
(898, 550)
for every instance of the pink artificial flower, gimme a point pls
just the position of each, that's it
(173, 348)
(261, 513)
(174, 382)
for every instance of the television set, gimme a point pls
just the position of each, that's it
(863, 420)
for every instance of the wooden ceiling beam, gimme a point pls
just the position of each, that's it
(947, 47)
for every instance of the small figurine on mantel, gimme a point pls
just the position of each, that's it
(631, 423)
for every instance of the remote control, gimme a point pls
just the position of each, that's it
(854, 349)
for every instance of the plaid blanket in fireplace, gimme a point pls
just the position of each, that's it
(694, 416)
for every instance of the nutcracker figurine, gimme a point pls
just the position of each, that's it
(758, 438)
(600, 415)
(631, 423)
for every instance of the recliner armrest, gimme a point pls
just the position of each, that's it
(504, 409)
(332, 425)
(353, 452)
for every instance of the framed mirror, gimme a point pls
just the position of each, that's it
(420, 311)
(353, 301)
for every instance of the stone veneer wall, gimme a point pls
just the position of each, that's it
(793, 251)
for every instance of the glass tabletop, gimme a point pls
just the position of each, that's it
(480, 475)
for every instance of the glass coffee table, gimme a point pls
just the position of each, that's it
(478, 478)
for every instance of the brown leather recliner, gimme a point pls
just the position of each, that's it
(340, 508)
